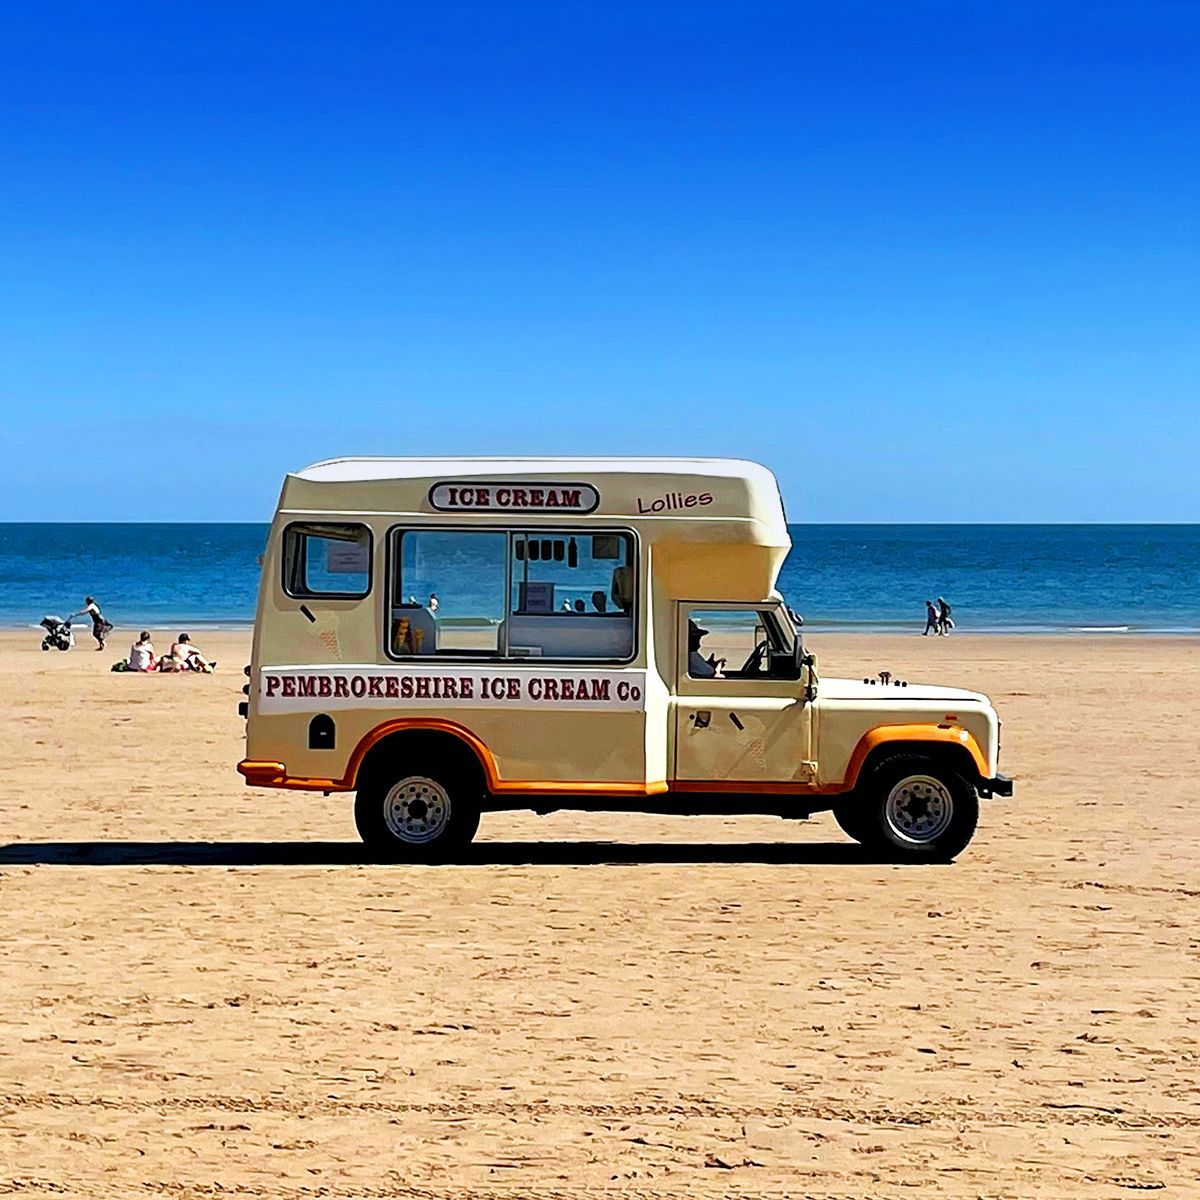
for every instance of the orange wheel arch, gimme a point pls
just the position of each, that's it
(902, 736)
(422, 725)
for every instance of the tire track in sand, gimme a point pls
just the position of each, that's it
(957, 1114)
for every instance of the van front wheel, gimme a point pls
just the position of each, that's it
(920, 808)
(416, 816)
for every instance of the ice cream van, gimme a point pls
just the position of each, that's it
(447, 637)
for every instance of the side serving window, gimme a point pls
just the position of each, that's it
(511, 594)
(571, 595)
(326, 560)
(447, 592)
(738, 643)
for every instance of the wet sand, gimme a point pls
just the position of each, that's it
(208, 991)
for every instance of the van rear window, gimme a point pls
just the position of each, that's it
(327, 560)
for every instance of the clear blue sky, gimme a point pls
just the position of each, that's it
(927, 262)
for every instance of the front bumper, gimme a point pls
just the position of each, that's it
(1000, 786)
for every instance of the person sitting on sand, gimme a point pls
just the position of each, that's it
(184, 657)
(141, 654)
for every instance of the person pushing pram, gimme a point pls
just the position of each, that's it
(101, 628)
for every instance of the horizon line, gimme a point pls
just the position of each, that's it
(847, 524)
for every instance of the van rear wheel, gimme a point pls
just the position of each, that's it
(917, 807)
(421, 814)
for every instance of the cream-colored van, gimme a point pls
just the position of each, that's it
(447, 637)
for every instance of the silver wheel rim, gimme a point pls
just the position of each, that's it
(918, 810)
(416, 810)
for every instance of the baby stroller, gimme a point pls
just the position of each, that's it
(58, 633)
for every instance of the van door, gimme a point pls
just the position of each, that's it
(740, 719)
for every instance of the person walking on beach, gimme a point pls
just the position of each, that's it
(931, 618)
(100, 627)
(945, 623)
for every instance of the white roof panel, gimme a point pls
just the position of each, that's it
(357, 470)
(709, 495)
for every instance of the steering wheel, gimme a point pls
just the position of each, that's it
(752, 664)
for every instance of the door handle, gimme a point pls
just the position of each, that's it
(701, 719)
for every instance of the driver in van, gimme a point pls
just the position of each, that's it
(700, 667)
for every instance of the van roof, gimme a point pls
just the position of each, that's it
(677, 504)
(709, 495)
(352, 470)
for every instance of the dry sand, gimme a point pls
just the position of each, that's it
(206, 991)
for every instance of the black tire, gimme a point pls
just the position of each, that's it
(417, 812)
(917, 808)
(854, 818)
(45, 644)
(64, 645)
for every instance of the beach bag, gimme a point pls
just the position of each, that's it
(121, 666)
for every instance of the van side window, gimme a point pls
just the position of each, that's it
(447, 592)
(327, 560)
(570, 594)
(737, 643)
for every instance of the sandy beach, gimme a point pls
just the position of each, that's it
(208, 991)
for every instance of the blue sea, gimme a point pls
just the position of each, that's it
(999, 578)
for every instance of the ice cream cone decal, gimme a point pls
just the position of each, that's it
(753, 746)
(326, 629)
